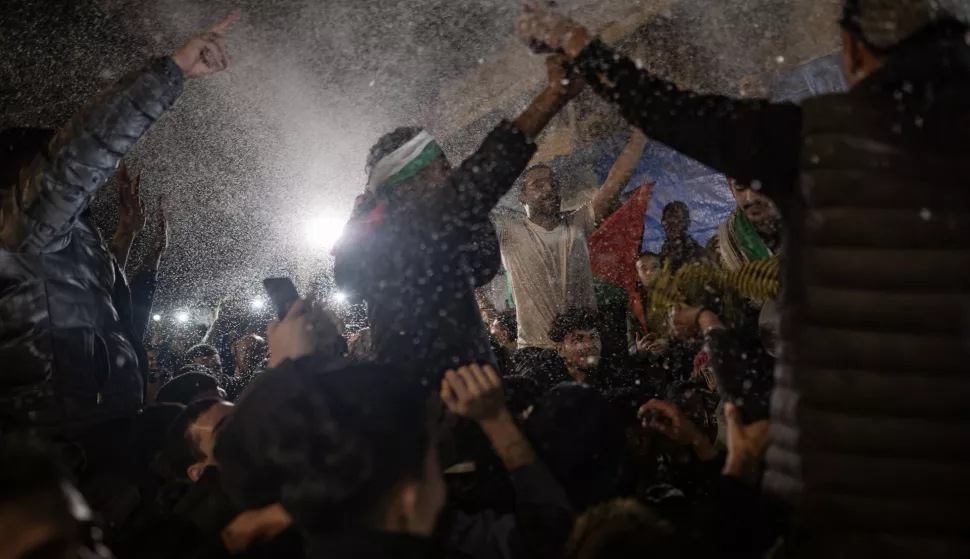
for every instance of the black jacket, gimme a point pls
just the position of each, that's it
(418, 270)
(66, 348)
(870, 423)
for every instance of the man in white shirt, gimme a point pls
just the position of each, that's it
(545, 252)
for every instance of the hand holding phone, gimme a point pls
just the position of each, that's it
(282, 293)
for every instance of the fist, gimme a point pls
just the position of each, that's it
(207, 53)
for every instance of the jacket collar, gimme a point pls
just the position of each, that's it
(941, 61)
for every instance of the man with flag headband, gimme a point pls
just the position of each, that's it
(420, 241)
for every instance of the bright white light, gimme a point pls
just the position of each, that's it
(339, 297)
(182, 317)
(323, 232)
(156, 317)
(258, 304)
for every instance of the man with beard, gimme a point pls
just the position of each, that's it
(546, 253)
(751, 232)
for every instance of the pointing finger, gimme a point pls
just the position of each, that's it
(225, 22)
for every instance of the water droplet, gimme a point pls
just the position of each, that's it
(780, 59)
(925, 214)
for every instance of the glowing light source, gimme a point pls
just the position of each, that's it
(156, 317)
(182, 317)
(258, 304)
(323, 232)
(340, 297)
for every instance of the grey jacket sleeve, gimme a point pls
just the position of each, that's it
(61, 182)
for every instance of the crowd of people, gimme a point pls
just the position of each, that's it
(824, 419)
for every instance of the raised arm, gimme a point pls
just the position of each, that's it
(604, 202)
(490, 172)
(62, 180)
(752, 141)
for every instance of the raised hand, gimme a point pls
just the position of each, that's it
(545, 30)
(308, 328)
(160, 240)
(649, 345)
(474, 392)
(668, 420)
(207, 53)
(562, 79)
(131, 208)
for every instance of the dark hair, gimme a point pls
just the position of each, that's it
(675, 205)
(390, 142)
(18, 146)
(621, 529)
(152, 426)
(508, 321)
(572, 320)
(201, 350)
(181, 449)
(645, 254)
(575, 431)
(948, 27)
(186, 388)
(341, 443)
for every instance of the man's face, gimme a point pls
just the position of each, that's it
(540, 192)
(648, 270)
(758, 208)
(581, 349)
(206, 427)
(676, 223)
(211, 362)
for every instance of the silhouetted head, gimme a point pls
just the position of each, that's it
(676, 220)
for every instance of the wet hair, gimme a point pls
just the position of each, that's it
(620, 529)
(200, 350)
(572, 320)
(180, 449)
(152, 426)
(646, 253)
(18, 147)
(185, 388)
(389, 143)
(508, 321)
(675, 205)
(342, 443)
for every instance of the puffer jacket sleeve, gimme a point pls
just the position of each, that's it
(62, 181)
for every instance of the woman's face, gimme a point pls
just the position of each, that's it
(648, 270)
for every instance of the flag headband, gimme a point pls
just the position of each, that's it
(404, 163)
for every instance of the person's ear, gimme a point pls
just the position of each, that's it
(195, 471)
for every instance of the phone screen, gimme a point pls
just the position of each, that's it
(282, 293)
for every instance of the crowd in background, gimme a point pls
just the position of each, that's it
(586, 418)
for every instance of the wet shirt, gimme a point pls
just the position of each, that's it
(549, 270)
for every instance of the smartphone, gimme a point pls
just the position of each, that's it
(282, 293)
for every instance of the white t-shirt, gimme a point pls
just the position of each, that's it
(549, 270)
